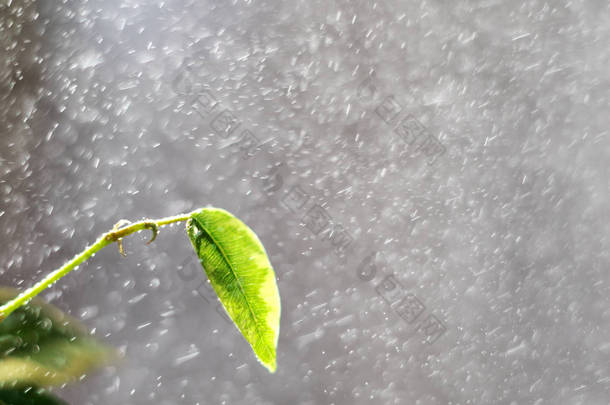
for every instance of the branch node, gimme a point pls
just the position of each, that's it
(119, 242)
(155, 231)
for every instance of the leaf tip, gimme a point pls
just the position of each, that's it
(271, 366)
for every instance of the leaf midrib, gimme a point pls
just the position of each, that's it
(241, 289)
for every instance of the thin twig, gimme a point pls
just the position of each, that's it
(114, 235)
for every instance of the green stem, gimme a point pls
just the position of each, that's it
(115, 235)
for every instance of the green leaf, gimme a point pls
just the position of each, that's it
(28, 396)
(41, 346)
(238, 268)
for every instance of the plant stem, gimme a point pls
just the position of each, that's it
(114, 235)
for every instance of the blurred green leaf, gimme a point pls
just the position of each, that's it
(238, 268)
(28, 396)
(41, 346)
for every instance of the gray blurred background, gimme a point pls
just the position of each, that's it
(430, 180)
